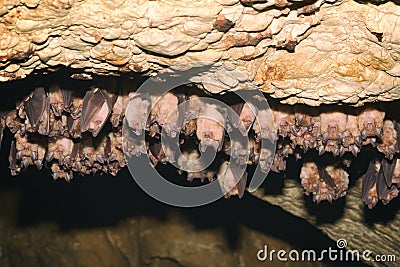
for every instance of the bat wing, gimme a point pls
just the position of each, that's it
(67, 97)
(183, 113)
(233, 114)
(34, 107)
(12, 158)
(44, 121)
(368, 180)
(3, 116)
(92, 104)
(388, 170)
(324, 175)
(241, 184)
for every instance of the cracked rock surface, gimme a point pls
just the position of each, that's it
(310, 52)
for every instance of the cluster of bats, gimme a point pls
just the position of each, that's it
(74, 131)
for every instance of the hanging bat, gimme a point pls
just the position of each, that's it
(137, 112)
(389, 138)
(56, 100)
(96, 109)
(211, 127)
(133, 145)
(165, 112)
(370, 122)
(61, 148)
(189, 162)
(73, 126)
(227, 174)
(12, 158)
(3, 115)
(37, 109)
(332, 125)
(284, 119)
(242, 116)
(369, 189)
(385, 193)
(163, 154)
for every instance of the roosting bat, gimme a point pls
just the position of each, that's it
(227, 174)
(96, 109)
(37, 109)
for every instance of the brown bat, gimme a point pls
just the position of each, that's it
(332, 125)
(370, 122)
(324, 182)
(165, 112)
(12, 158)
(227, 174)
(283, 120)
(389, 138)
(246, 114)
(369, 189)
(137, 112)
(3, 115)
(37, 109)
(211, 127)
(194, 170)
(385, 193)
(56, 100)
(96, 109)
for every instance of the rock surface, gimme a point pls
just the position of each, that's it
(308, 52)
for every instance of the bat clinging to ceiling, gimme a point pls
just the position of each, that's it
(229, 180)
(37, 109)
(96, 109)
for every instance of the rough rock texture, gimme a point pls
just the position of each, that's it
(302, 51)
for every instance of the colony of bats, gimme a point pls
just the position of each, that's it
(80, 132)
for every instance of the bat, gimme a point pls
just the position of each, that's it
(385, 193)
(136, 114)
(332, 125)
(96, 109)
(13, 122)
(389, 138)
(61, 148)
(369, 189)
(165, 113)
(133, 145)
(211, 127)
(284, 119)
(227, 174)
(67, 99)
(370, 122)
(188, 161)
(119, 107)
(73, 126)
(158, 153)
(37, 109)
(3, 115)
(245, 114)
(12, 158)
(56, 100)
